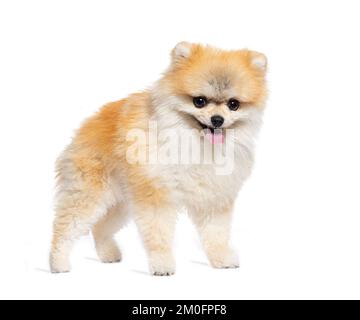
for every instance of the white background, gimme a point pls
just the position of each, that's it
(297, 223)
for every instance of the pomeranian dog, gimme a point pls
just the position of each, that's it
(218, 98)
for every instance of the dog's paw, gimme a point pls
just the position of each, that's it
(224, 265)
(115, 258)
(225, 260)
(59, 265)
(109, 253)
(163, 274)
(59, 270)
(162, 265)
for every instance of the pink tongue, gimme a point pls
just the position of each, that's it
(215, 138)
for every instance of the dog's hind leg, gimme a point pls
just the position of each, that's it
(104, 231)
(74, 218)
(83, 199)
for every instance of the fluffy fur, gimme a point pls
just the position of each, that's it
(98, 189)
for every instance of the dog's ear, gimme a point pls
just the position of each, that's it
(181, 52)
(258, 61)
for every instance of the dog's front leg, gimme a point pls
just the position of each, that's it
(214, 229)
(156, 226)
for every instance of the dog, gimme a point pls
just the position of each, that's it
(218, 97)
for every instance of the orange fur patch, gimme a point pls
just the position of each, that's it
(101, 146)
(188, 75)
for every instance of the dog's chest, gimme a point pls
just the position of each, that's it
(208, 184)
(204, 185)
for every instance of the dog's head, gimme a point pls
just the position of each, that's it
(217, 89)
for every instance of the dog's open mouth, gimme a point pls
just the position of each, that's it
(214, 135)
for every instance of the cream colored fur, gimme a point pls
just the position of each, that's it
(85, 204)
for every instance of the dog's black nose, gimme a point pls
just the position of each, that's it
(217, 121)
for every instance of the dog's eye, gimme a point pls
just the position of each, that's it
(233, 104)
(200, 102)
